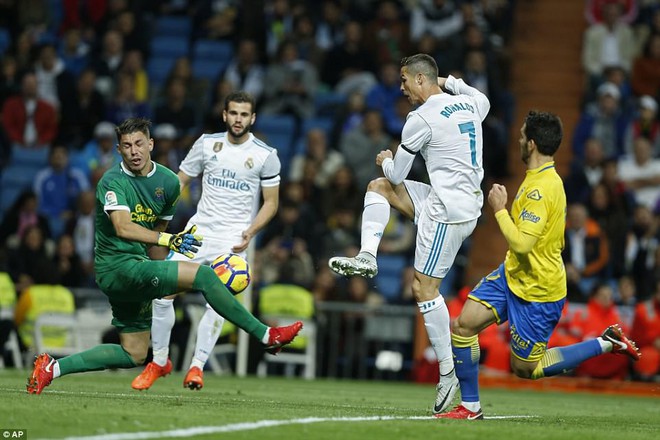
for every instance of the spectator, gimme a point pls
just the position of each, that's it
(341, 191)
(9, 78)
(125, 105)
(108, 60)
(29, 122)
(441, 19)
(645, 125)
(641, 173)
(330, 27)
(278, 19)
(304, 36)
(133, 65)
(67, 263)
(645, 76)
(386, 92)
(641, 250)
(626, 294)
(178, 110)
(601, 312)
(214, 113)
(133, 32)
(348, 117)
(57, 187)
(31, 261)
(342, 231)
(245, 72)
(197, 88)
(99, 154)
(604, 121)
(81, 229)
(53, 80)
(165, 145)
(585, 174)
(20, 217)
(387, 34)
(360, 145)
(593, 10)
(586, 253)
(291, 83)
(350, 66)
(646, 331)
(74, 51)
(324, 160)
(81, 111)
(610, 43)
(612, 217)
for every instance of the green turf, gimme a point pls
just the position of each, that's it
(103, 403)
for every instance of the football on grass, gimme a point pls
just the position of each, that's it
(234, 272)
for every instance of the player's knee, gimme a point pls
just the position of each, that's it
(380, 185)
(523, 371)
(138, 355)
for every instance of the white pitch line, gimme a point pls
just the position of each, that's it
(248, 426)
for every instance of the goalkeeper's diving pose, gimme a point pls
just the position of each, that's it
(135, 201)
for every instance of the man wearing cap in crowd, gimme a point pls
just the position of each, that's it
(644, 124)
(99, 154)
(166, 147)
(603, 120)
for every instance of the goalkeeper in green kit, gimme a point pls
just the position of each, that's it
(135, 200)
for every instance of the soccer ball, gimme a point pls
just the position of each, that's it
(234, 272)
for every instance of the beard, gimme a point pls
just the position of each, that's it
(235, 135)
(524, 155)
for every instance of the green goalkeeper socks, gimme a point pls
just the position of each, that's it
(100, 357)
(223, 302)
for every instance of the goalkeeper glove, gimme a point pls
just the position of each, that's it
(184, 242)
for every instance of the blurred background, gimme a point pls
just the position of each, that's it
(325, 75)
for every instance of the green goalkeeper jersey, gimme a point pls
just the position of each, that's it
(147, 198)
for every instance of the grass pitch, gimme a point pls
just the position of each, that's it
(103, 406)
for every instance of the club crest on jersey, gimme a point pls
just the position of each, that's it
(159, 193)
(249, 163)
(535, 195)
(217, 147)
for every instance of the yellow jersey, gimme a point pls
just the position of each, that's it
(539, 209)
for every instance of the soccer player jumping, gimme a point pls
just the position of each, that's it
(135, 200)
(529, 288)
(446, 130)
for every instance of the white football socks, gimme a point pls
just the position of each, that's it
(208, 332)
(162, 322)
(436, 321)
(375, 216)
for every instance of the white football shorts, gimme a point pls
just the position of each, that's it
(437, 243)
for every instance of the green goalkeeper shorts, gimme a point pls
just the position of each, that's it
(132, 285)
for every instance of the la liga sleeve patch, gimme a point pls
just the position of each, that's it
(110, 198)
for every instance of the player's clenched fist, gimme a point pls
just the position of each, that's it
(184, 242)
(497, 197)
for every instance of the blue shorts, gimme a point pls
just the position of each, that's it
(530, 323)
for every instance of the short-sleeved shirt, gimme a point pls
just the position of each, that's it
(147, 198)
(446, 130)
(232, 178)
(539, 209)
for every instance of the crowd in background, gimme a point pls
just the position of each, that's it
(71, 69)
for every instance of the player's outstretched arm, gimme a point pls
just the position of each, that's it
(185, 242)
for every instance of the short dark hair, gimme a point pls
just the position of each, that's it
(132, 125)
(240, 96)
(421, 63)
(545, 129)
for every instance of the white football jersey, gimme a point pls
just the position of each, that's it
(446, 131)
(232, 177)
